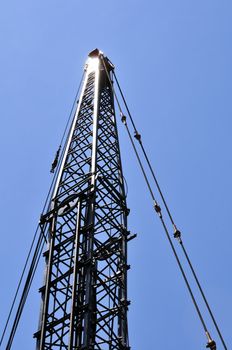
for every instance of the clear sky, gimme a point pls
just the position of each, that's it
(173, 59)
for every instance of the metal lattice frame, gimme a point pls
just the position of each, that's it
(84, 298)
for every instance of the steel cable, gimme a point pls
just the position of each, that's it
(158, 210)
(178, 235)
(19, 285)
(210, 341)
(26, 290)
(33, 266)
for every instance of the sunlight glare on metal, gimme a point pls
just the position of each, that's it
(92, 63)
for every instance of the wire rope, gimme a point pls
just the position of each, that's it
(26, 290)
(211, 343)
(177, 233)
(31, 272)
(158, 210)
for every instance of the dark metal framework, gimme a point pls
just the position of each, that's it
(84, 297)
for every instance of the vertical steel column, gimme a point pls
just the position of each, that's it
(91, 210)
(75, 280)
(47, 282)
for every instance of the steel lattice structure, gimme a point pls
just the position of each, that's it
(84, 297)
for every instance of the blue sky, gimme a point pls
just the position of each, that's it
(173, 59)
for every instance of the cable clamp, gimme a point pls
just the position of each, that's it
(123, 118)
(211, 345)
(137, 136)
(157, 209)
(177, 234)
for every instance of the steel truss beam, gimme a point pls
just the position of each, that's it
(84, 297)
